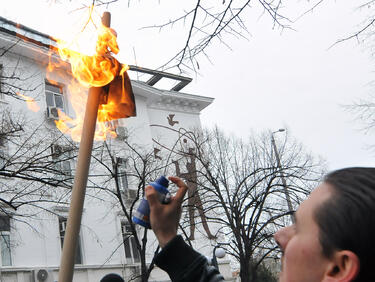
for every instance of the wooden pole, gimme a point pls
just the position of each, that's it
(79, 187)
(80, 180)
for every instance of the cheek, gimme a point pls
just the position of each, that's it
(294, 254)
(302, 261)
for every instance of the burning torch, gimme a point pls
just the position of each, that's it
(106, 101)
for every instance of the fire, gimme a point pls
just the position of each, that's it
(96, 70)
(31, 104)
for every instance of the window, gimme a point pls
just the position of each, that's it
(6, 259)
(122, 132)
(122, 175)
(2, 157)
(1, 83)
(3, 152)
(131, 251)
(62, 228)
(62, 161)
(54, 96)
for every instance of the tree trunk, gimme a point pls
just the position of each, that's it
(244, 272)
(144, 271)
(248, 273)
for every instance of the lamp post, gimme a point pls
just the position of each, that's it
(286, 192)
(218, 252)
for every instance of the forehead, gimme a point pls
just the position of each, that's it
(318, 196)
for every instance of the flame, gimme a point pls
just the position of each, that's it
(95, 70)
(31, 104)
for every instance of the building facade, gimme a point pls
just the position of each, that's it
(32, 226)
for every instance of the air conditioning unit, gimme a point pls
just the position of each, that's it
(56, 150)
(43, 275)
(131, 194)
(53, 112)
(63, 226)
(122, 133)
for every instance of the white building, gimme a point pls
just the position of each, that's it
(31, 248)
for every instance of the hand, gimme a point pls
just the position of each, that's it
(164, 219)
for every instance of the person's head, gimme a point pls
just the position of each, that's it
(112, 277)
(332, 239)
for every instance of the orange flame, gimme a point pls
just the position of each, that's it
(31, 104)
(90, 71)
(99, 69)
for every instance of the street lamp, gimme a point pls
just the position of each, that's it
(218, 252)
(286, 192)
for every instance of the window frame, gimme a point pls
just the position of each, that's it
(62, 158)
(130, 249)
(2, 96)
(3, 152)
(59, 93)
(78, 257)
(122, 175)
(3, 234)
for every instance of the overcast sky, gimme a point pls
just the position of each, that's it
(272, 80)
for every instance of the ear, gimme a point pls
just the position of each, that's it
(344, 267)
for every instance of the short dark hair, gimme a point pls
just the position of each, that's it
(346, 220)
(112, 277)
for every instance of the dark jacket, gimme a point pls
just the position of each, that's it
(183, 264)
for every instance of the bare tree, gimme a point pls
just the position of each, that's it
(206, 23)
(14, 79)
(364, 111)
(126, 169)
(363, 108)
(35, 166)
(34, 169)
(243, 195)
(35, 172)
(365, 30)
